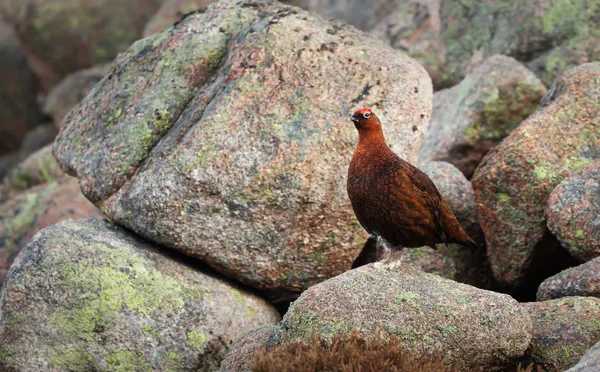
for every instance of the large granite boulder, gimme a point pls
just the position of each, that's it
(66, 36)
(86, 295)
(514, 181)
(472, 117)
(563, 330)
(472, 327)
(582, 280)
(18, 89)
(28, 212)
(231, 143)
(573, 211)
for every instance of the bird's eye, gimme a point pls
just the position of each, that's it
(366, 115)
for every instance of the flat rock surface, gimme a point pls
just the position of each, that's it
(582, 280)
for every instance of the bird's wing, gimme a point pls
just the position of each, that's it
(425, 187)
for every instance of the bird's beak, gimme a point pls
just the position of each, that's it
(354, 119)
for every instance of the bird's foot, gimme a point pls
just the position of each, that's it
(380, 264)
(388, 263)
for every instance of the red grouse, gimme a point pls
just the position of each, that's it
(394, 201)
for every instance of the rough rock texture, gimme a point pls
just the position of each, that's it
(563, 330)
(241, 353)
(589, 362)
(449, 37)
(472, 117)
(573, 211)
(38, 168)
(86, 295)
(170, 12)
(18, 89)
(582, 280)
(516, 178)
(229, 144)
(66, 36)
(26, 213)
(71, 90)
(36, 139)
(473, 327)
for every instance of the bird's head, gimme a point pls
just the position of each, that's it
(365, 119)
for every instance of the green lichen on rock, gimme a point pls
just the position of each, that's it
(196, 339)
(98, 297)
(428, 313)
(563, 330)
(524, 169)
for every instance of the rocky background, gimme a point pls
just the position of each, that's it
(173, 180)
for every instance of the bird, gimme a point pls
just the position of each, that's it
(395, 202)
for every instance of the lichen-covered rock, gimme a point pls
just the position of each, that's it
(450, 36)
(589, 362)
(36, 139)
(470, 326)
(472, 117)
(170, 12)
(28, 212)
(71, 90)
(86, 295)
(18, 88)
(66, 36)
(240, 355)
(516, 178)
(573, 211)
(563, 330)
(582, 280)
(231, 143)
(39, 167)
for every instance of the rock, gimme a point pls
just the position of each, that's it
(66, 36)
(590, 361)
(551, 64)
(71, 90)
(573, 211)
(22, 216)
(472, 327)
(563, 330)
(582, 280)
(472, 117)
(36, 139)
(170, 12)
(7, 163)
(515, 179)
(38, 168)
(204, 140)
(449, 37)
(242, 352)
(18, 88)
(87, 295)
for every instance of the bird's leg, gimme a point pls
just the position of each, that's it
(385, 255)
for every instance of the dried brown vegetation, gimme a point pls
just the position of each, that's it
(350, 354)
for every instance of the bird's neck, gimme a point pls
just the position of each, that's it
(371, 139)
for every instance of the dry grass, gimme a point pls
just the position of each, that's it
(350, 354)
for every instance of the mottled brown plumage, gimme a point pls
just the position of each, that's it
(394, 201)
